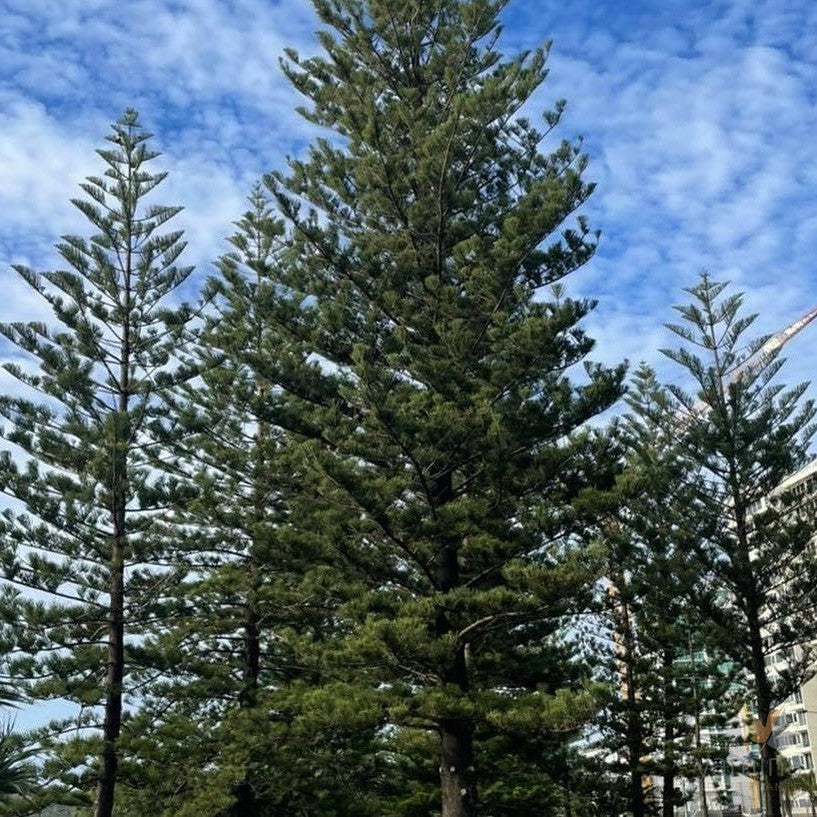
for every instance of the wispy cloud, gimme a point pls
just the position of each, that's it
(204, 75)
(697, 117)
(698, 120)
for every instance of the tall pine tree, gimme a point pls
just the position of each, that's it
(743, 433)
(84, 552)
(424, 371)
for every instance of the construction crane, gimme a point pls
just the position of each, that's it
(758, 360)
(770, 348)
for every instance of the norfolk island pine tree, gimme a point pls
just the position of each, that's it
(742, 436)
(204, 742)
(425, 371)
(670, 675)
(229, 525)
(83, 549)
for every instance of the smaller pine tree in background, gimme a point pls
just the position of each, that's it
(229, 715)
(743, 433)
(675, 685)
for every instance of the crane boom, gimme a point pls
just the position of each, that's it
(756, 361)
(770, 348)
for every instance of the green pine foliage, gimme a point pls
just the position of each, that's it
(349, 538)
(78, 542)
(424, 371)
(252, 581)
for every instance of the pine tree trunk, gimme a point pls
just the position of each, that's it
(252, 659)
(457, 769)
(638, 805)
(245, 803)
(635, 734)
(668, 802)
(113, 696)
(668, 781)
(457, 774)
(768, 754)
(704, 810)
(121, 434)
(112, 722)
(704, 806)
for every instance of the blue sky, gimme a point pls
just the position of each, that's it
(698, 118)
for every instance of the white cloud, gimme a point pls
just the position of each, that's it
(698, 120)
(204, 75)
